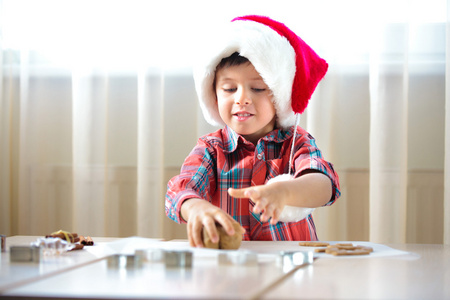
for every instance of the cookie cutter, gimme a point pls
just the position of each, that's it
(3, 242)
(293, 259)
(120, 261)
(178, 259)
(150, 255)
(246, 258)
(53, 246)
(25, 254)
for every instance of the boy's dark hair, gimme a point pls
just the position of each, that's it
(234, 59)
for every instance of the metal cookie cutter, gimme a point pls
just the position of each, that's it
(119, 261)
(150, 255)
(180, 259)
(293, 259)
(25, 254)
(246, 258)
(3, 242)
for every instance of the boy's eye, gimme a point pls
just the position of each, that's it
(258, 90)
(230, 90)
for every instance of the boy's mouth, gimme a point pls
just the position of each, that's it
(242, 116)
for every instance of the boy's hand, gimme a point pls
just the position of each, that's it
(313, 189)
(269, 200)
(202, 215)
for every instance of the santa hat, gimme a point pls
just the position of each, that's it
(289, 67)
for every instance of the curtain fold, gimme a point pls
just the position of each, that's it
(5, 153)
(388, 137)
(90, 152)
(150, 203)
(25, 201)
(447, 133)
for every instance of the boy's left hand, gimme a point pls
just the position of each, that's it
(269, 200)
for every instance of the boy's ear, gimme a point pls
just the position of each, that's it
(214, 90)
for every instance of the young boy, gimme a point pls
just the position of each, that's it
(255, 80)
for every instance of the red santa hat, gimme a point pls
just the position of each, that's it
(286, 63)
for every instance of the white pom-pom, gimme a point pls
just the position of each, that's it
(291, 213)
(294, 213)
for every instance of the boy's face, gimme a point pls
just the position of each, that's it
(245, 101)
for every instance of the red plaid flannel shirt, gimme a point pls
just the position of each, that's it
(224, 159)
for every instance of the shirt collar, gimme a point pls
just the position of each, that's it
(233, 139)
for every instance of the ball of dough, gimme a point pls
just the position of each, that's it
(230, 242)
(227, 242)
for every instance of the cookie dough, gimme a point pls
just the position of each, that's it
(227, 242)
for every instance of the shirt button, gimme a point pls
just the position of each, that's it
(259, 156)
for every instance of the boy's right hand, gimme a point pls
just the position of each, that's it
(202, 215)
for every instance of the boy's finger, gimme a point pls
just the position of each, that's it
(267, 213)
(260, 205)
(228, 226)
(237, 193)
(226, 221)
(251, 192)
(275, 216)
(212, 232)
(196, 235)
(189, 234)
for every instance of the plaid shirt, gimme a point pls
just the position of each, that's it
(224, 159)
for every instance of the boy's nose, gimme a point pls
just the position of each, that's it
(242, 98)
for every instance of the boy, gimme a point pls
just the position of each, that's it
(254, 81)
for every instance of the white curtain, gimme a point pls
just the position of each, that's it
(98, 110)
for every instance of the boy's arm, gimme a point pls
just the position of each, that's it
(196, 180)
(313, 189)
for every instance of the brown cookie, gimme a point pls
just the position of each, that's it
(320, 250)
(351, 252)
(313, 244)
(347, 249)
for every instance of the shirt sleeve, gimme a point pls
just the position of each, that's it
(197, 179)
(308, 157)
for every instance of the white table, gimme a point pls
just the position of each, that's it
(423, 274)
(414, 272)
(19, 274)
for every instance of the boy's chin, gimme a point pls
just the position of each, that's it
(245, 131)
